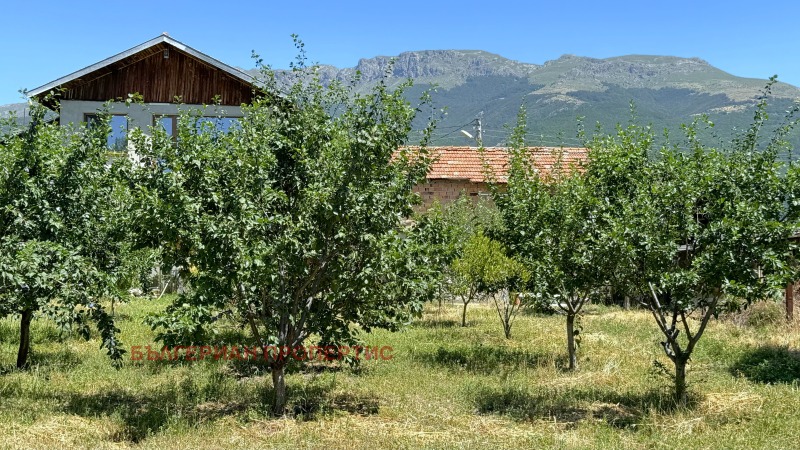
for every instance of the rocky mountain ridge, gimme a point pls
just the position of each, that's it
(666, 90)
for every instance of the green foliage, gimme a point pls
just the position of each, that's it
(136, 267)
(444, 231)
(291, 223)
(707, 230)
(61, 228)
(553, 224)
(462, 219)
(617, 166)
(484, 267)
(698, 230)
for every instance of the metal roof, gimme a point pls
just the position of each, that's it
(164, 38)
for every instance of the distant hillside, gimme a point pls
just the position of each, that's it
(21, 115)
(19, 112)
(18, 109)
(666, 91)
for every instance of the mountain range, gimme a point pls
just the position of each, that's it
(666, 92)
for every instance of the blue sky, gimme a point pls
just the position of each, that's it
(44, 40)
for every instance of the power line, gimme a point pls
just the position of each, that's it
(455, 129)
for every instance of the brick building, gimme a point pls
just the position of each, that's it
(459, 171)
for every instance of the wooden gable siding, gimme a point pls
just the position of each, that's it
(160, 80)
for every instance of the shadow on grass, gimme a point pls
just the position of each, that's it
(260, 368)
(311, 401)
(53, 359)
(438, 323)
(120, 317)
(620, 410)
(483, 359)
(145, 413)
(769, 364)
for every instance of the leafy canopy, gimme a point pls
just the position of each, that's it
(289, 224)
(62, 236)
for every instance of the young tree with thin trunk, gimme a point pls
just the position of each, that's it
(483, 270)
(707, 232)
(551, 226)
(61, 229)
(718, 241)
(509, 301)
(446, 230)
(579, 265)
(291, 222)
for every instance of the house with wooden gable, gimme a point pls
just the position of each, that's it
(165, 73)
(169, 76)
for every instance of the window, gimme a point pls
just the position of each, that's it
(118, 136)
(168, 124)
(217, 124)
(202, 125)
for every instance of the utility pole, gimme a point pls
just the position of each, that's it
(478, 127)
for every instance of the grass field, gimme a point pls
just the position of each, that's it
(445, 387)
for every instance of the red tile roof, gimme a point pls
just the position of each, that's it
(467, 163)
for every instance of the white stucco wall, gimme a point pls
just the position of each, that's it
(139, 115)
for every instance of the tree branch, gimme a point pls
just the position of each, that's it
(706, 317)
(686, 326)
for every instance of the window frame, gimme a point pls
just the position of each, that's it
(175, 118)
(238, 119)
(174, 131)
(88, 118)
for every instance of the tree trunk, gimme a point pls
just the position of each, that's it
(24, 339)
(507, 328)
(680, 381)
(627, 303)
(279, 384)
(464, 315)
(573, 359)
